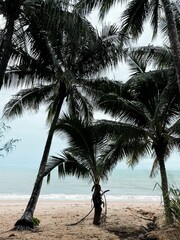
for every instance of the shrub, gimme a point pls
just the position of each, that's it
(36, 222)
(175, 203)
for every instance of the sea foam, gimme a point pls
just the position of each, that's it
(78, 197)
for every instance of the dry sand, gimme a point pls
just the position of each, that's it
(127, 219)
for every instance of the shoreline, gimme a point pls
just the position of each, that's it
(78, 197)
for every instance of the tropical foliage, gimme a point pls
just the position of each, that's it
(146, 109)
(8, 146)
(54, 54)
(175, 203)
(13, 14)
(64, 48)
(136, 14)
(85, 157)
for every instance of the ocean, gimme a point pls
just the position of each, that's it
(123, 184)
(18, 169)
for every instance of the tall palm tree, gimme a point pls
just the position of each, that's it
(136, 13)
(64, 48)
(84, 158)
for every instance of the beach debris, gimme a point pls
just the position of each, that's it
(12, 235)
(103, 217)
(73, 224)
(147, 231)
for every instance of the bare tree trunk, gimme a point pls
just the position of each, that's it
(173, 37)
(26, 221)
(97, 201)
(165, 192)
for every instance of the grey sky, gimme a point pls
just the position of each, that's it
(32, 128)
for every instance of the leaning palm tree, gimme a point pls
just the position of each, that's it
(85, 157)
(63, 48)
(136, 13)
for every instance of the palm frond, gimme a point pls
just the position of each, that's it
(158, 57)
(26, 99)
(141, 148)
(136, 66)
(155, 168)
(103, 6)
(79, 104)
(175, 128)
(88, 142)
(118, 128)
(67, 165)
(121, 108)
(155, 9)
(27, 70)
(78, 133)
(175, 203)
(133, 17)
(94, 88)
(163, 30)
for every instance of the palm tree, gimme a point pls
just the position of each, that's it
(85, 157)
(64, 48)
(146, 109)
(136, 13)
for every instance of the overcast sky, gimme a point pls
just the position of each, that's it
(32, 128)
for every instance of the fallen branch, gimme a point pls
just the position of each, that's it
(72, 224)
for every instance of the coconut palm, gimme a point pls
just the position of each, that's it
(146, 109)
(85, 157)
(63, 48)
(135, 14)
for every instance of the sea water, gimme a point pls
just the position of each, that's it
(18, 170)
(123, 184)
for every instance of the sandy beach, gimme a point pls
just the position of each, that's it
(125, 220)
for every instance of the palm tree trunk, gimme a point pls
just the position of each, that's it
(165, 192)
(26, 221)
(97, 201)
(173, 37)
(6, 47)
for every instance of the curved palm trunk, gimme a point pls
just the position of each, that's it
(165, 192)
(97, 201)
(173, 37)
(26, 221)
(6, 47)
